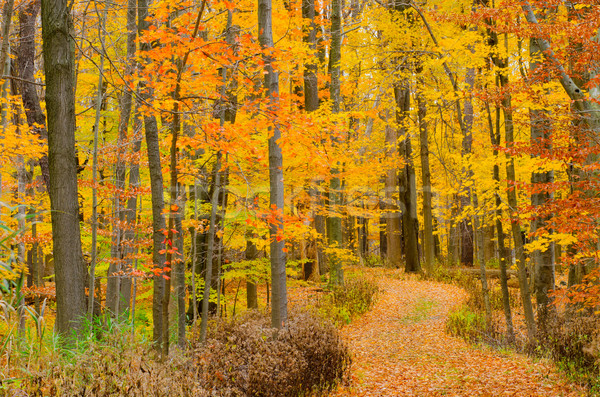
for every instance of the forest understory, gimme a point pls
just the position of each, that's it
(401, 348)
(403, 345)
(215, 197)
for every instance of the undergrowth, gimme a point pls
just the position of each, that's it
(345, 302)
(241, 357)
(570, 338)
(248, 357)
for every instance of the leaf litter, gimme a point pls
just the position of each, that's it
(400, 348)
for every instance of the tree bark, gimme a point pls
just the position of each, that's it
(543, 259)
(214, 203)
(428, 241)
(64, 205)
(94, 219)
(251, 290)
(26, 67)
(513, 206)
(276, 186)
(334, 219)
(129, 235)
(7, 11)
(407, 182)
(393, 214)
(115, 296)
(156, 187)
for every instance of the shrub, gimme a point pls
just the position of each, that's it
(248, 357)
(572, 341)
(465, 323)
(355, 297)
(116, 365)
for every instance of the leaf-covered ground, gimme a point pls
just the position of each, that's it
(400, 349)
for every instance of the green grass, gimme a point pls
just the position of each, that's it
(420, 312)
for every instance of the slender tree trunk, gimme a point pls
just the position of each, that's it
(214, 202)
(311, 86)
(156, 186)
(179, 270)
(64, 205)
(7, 11)
(428, 241)
(251, 290)
(543, 259)
(311, 103)
(513, 206)
(276, 186)
(503, 250)
(334, 219)
(482, 270)
(393, 214)
(94, 220)
(115, 294)
(465, 197)
(194, 298)
(129, 235)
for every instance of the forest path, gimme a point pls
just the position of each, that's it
(400, 348)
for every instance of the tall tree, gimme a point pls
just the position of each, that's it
(541, 136)
(64, 205)
(156, 186)
(334, 218)
(428, 240)
(511, 193)
(276, 187)
(118, 290)
(407, 181)
(393, 214)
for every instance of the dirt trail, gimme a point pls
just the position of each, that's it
(400, 349)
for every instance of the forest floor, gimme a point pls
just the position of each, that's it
(400, 348)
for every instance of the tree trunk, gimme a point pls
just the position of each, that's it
(543, 259)
(26, 67)
(408, 191)
(64, 205)
(503, 250)
(94, 219)
(513, 206)
(214, 203)
(392, 212)
(251, 291)
(311, 103)
(428, 241)
(179, 269)
(7, 11)
(156, 187)
(114, 293)
(129, 235)
(334, 219)
(276, 187)
(466, 225)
